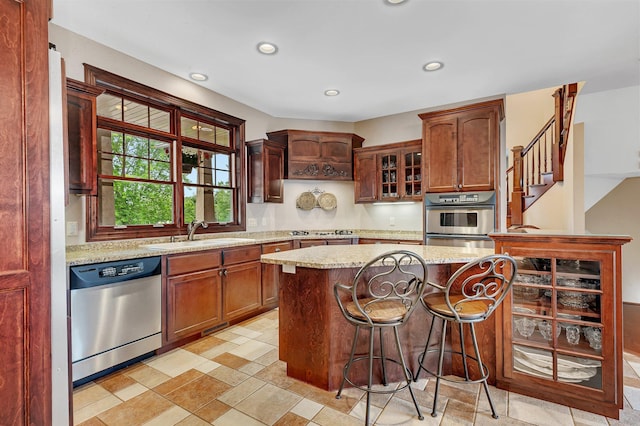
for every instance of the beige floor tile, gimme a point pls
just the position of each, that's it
(500, 400)
(176, 382)
(268, 358)
(198, 393)
(632, 395)
(230, 360)
(131, 391)
(93, 421)
(176, 362)
(212, 410)
(246, 332)
(228, 375)
(193, 421)
(88, 394)
(276, 373)
(147, 376)
(529, 409)
(252, 350)
(217, 350)
(95, 408)
(268, 403)
(307, 408)
(401, 412)
(291, 419)
(170, 417)
(238, 393)
(584, 418)
(330, 417)
(251, 368)
(203, 345)
(236, 418)
(136, 411)
(359, 411)
(115, 382)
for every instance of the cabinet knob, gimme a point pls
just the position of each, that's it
(277, 250)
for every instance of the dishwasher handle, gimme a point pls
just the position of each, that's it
(86, 276)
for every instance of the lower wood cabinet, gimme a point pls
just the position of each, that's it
(271, 274)
(241, 281)
(193, 294)
(386, 241)
(322, 242)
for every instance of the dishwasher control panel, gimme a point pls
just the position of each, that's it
(120, 270)
(84, 276)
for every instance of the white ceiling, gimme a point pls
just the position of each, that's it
(370, 51)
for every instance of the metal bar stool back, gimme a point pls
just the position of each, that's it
(470, 296)
(383, 295)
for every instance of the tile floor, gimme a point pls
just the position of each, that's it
(234, 378)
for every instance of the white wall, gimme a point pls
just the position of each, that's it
(612, 139)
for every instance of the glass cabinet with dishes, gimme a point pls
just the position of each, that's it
(391, 172)
(558, 333)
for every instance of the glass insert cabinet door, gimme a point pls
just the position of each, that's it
(556, 320)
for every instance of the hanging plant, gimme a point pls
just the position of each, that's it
(189, 161)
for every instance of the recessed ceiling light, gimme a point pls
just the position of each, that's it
(198, 76)
(433, 66)
(394, 2)
(331, 92)
(267, 48)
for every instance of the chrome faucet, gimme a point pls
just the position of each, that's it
(191, 228)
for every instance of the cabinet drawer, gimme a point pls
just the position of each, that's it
(241, 254)
(199, 261)
(276, 247)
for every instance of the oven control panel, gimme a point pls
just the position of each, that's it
(466, 198)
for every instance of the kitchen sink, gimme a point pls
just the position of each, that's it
(213, 242)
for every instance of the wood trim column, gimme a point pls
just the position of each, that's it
(630, 331)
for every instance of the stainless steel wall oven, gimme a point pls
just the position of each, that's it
(460, 219)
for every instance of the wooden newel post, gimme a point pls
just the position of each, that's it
(517, 197)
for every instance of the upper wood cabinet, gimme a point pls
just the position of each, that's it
(265, 171)
(318, 155)
(461, 147)
(81, 137)
(391, 172)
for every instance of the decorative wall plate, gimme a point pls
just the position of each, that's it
(306, 201)
(327, 201)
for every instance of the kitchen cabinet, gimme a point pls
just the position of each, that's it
(461, 148)
(387, 241)
(391, 172)
(265, 171)
(193, 293)
(81, 137)
(321, 242)
(558, 334)
(241, 282)
(318, 155)
(270, 274)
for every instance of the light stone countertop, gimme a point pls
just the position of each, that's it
(355, 256)
(97, 252)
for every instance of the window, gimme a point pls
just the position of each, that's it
(162, 162)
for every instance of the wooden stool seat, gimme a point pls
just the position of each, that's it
(380, 311)
(470, 310)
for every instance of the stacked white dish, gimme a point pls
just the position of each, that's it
(538, 362)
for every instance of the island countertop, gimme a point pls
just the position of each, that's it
(354, 256)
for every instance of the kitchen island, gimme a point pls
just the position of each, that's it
(315, 339)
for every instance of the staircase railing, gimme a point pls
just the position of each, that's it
(540, 164)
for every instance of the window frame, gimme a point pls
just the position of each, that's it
(120, 86)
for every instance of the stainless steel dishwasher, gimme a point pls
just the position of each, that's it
(115, 314)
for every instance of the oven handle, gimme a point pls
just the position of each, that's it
(459, 236)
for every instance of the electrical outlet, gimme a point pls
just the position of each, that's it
(392, 221)
(252, 222)
(264, 221)
(72, 229)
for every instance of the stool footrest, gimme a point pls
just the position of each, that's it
(455, 379)
(366, 387)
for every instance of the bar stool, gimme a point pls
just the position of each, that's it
(383, 294)
(470, 296)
